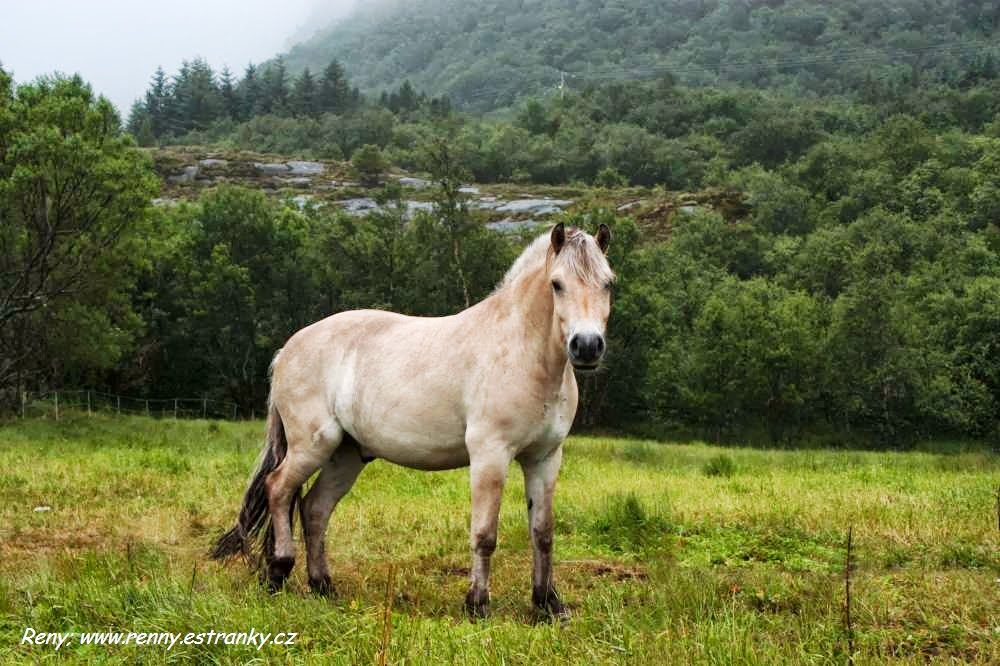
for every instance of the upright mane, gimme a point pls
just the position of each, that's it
(579, 254)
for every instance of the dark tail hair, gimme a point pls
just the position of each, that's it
(254, 514)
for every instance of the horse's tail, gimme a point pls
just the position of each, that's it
(255, 514)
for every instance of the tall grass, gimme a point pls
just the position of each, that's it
(662, 558)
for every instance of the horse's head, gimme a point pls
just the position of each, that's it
(581, 278)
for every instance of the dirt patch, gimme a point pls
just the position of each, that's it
(462, 572)
(612, 570)
(35, 541)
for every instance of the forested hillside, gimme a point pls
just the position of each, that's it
(792, 263)
(488, 55)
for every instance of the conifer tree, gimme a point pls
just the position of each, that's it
(230, 98)
(250, 93)
(304, 95)
(335, 95)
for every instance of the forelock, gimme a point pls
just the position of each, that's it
(580, 255)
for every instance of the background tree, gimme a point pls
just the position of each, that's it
(369, 164)
(305, 100)
(74, 193)
(334, 89)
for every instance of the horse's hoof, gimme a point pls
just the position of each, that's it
(477, 605)
(277, 573)
(549, 606)
(321, 586)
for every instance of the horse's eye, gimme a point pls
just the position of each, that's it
(608, 285)
(557, 286)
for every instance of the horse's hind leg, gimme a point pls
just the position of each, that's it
(307, 452)
(334, 481)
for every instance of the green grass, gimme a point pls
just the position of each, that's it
(666, 553)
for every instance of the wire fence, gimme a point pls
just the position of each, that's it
(55, 404)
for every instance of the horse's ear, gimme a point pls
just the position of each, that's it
(604, 238)
(558, 237)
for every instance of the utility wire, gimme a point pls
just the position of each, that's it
(851, 56)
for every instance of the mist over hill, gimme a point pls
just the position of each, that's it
(487, 55)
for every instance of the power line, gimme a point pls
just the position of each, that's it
(852, 56)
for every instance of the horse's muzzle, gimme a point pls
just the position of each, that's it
(586, 350)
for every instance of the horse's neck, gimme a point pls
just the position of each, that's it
(526, 308)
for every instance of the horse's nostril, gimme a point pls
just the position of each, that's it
(600, 345)
(574, 345)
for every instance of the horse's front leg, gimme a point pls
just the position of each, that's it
(539, 487)
(488, 465)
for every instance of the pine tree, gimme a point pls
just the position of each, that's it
(274, 91)
(304, 95)
(230, 98)
(335, 95)
(140, 125)
(204, 101)
(175, 108)
(250, 93)
(407, 98)
(157, 101)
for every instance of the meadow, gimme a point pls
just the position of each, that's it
(665, 552)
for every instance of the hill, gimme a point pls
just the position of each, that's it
(487, 55)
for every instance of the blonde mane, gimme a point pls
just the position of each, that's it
(580, 254)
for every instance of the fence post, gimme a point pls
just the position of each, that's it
(147, 408)
(57, 405)
(24, 403)
(88, 404)
(234, 411)
(204, 407)
(119, 405)
(175, 409)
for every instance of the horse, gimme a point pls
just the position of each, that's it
(480, 389)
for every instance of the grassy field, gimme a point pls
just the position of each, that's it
(666, 553)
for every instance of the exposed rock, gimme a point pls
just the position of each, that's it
(367, 206)
(535, 206)
(271, 167)
(188, 175)
(415, 183)
(469, 189)
(299, 168)
(413, 206)
(296, 182)
(212, 163)
(509, 224)
(629, 206)
(359, 207)
(302, 201)
(487, 203)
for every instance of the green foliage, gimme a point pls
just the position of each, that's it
(625, 525)
(369, 164)
(610, 177)
(74, 197)
(720, 465)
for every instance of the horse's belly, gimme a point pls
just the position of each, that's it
(413, 438)
(413, 449)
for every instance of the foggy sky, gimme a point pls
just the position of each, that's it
(117, 44)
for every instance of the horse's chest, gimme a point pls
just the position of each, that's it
(556, 419)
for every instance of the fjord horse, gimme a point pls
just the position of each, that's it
(481, 388)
